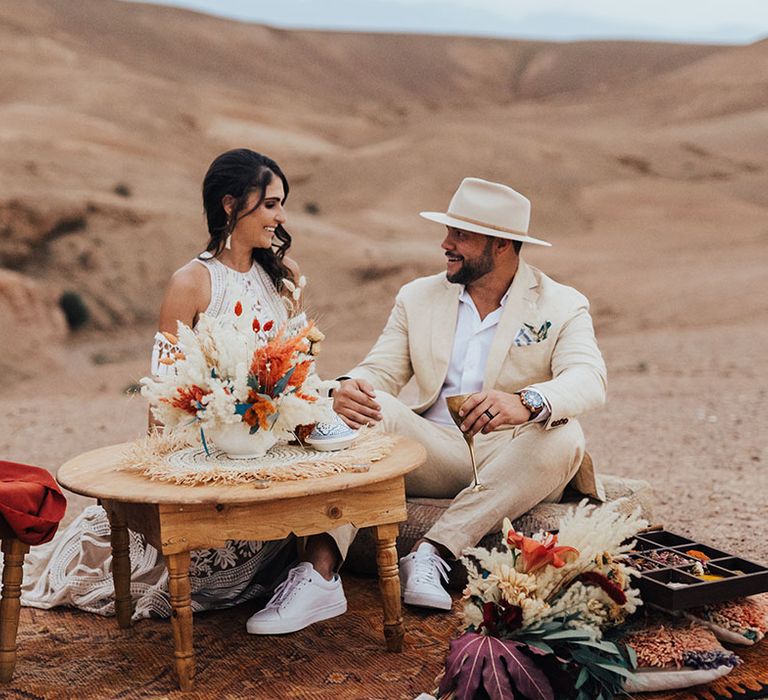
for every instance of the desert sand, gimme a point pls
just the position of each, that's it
(646, 165)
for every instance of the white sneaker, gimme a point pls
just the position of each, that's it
(303, 598)
(420, 574)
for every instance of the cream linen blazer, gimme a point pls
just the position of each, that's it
(565, 366)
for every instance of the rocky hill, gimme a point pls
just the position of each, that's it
(645, 161)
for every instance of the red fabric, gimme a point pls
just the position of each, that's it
(31, 502)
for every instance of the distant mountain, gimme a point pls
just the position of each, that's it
(451, 18)
(103, 150)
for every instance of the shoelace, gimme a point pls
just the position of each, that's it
(428, 566)
(284, 592)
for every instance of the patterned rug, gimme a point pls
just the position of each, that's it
(67, 654)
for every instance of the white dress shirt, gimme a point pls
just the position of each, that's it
(471, 346)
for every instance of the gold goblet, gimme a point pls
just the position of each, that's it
(454, 404)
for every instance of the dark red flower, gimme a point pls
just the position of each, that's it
(268, 325)
(238, 308)
(594, 578)
(511, 616)
(489, 617)
(504, 614)
(256, 325)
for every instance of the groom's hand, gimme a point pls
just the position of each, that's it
(505, 409)
(355, 402)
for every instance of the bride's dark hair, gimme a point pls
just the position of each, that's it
(237, 173)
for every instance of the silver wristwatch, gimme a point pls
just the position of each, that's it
(533, 401)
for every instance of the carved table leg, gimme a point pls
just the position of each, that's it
(121, 569)
(181, 620)
(389, 583)
(13, 553)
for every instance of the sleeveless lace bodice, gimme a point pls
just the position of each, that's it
(254, 289)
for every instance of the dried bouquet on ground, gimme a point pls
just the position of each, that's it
(540, 612)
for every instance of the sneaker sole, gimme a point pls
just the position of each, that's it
(425, 601)
(269, 627)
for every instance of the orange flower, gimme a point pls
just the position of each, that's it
(258, 413)
(273, 360)
(238, 308)
(188, 400)
(300, 374)
(537, 555)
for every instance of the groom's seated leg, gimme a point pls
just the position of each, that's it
(520, 468)
(444, 474)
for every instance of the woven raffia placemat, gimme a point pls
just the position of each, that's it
(166, 458)
(66, 654)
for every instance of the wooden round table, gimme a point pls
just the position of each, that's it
(177, 519)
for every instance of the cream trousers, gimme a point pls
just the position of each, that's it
(521, 467)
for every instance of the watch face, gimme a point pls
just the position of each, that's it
(533, 400)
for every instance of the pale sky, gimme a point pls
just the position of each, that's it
(721, 21)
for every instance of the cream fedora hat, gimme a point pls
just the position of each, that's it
(489, 208)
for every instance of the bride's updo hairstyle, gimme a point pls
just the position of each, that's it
(237, 173)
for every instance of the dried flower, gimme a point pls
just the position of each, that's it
(536, 555)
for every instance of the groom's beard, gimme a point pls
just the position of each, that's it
(472, 270)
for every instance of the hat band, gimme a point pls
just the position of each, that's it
(486, 225)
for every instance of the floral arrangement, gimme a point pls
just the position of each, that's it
(541, 612)
(237, 369)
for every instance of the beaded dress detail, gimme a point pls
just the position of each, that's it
(75, 568)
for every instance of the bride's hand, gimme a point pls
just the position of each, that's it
(355, 402)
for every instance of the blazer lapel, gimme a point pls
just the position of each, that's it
(520, 300)
(443, 314)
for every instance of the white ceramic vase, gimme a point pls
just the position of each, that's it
(237, 442)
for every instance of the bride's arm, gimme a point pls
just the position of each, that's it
(187, 295)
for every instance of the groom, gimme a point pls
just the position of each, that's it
(520, 343)
(491, 326)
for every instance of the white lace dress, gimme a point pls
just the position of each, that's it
(75, 568)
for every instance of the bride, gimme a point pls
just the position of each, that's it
(244, 196)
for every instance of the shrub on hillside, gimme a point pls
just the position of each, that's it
(75, 309)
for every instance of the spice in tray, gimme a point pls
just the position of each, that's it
(696, 554)
(709, 577)
(667, 557)
(643, 564)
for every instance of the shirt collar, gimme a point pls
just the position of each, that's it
(466, 299)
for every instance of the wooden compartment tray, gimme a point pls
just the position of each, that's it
(676, 586)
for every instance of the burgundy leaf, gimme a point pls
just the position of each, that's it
(499, 665)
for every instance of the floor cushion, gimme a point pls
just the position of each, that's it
(423, 512)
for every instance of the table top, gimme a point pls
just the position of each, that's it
(95, 474)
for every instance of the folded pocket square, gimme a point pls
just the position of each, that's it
(528, 335)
